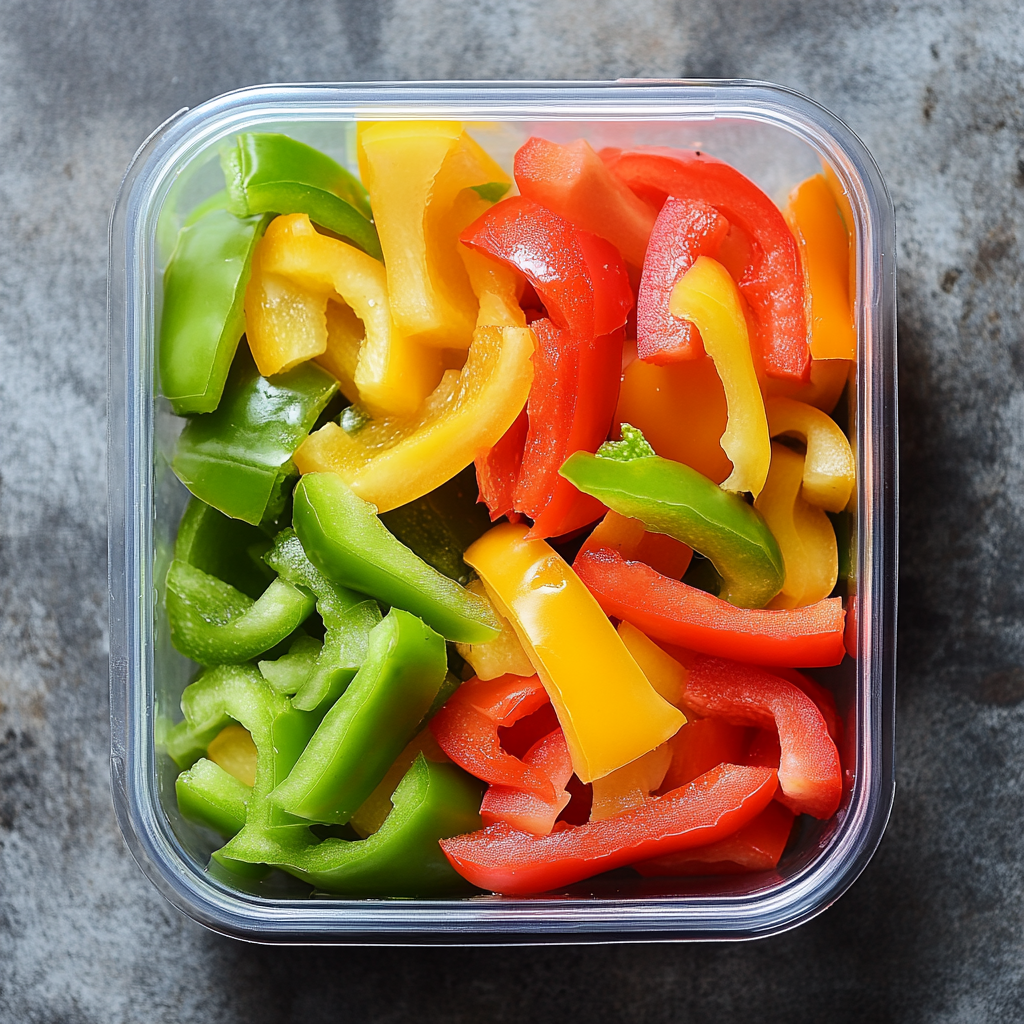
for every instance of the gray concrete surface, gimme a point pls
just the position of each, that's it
(934, 930)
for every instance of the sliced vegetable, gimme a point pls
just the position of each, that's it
(630, 785)
(504, 655)
(703, 743)
(210, 796)
(630, 538)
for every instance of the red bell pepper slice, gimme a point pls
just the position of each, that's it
(765, 751)
(575, 183)
(684, 230)
(466, 729)
(497, 470)
(700, 745)
(810, 776)
(504, 860)
(822, 698)
(613, 294)
(546, 249)
(526, 810)
(756, 846)
(678, 614)
(773, 283)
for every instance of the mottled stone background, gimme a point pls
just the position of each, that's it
(933, 931)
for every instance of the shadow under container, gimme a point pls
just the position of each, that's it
(777, 138)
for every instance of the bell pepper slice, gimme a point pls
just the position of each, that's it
(823, 699)
(707, 296)
(203, 319)
(666, 674)
(214, 624)
(810, 776)
(212, 797)
(233, 749)
(507, 861)
(670, 498)
(773, 282)
(817, 226)
(238, 458)
(804, 533)
(498, 468)
(271, 173)
(287, 673)
(348, 619)
(401, 859)
(524, 809)
(497, 288)
(678, 614)
(630, 538)
(466, 729)
(573, 181)
(414, 171)
(393, 374)
(607, 708)
(829, 471)
(823, 391)
(681, 410)
(546, 249)
(226, 548)
(392, 462)
(504, 655)
(630, 785)
(368, 726)
(613, 294)
(340, 358)
(756, 846)
(344, 538)
(702, 744)
(683, 231)
(374, 810)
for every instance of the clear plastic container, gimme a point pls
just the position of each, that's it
(775, 136)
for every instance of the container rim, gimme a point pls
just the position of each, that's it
(497, 920)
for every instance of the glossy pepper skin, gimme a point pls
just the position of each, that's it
(402, 858)
(504, 860)
(817, 225)
(270, 173)
(773, 282)
(213, 623)
(343, 537)
(683, 231)
(415, 172)
(670, 498)
(202, 318)
(238, 458)
(607, 708)
(391, 462)
(804, 533)
(810, 776)
(829, 471)
(370, 724)
(573, 181)
(210, 796)
(671, 611)
(707, 296)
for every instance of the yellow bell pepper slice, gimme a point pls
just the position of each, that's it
(390, 462)
(234, 750)
(804, 533)
(817, 226)
(708, 297)
(341, 353)
(502, 656)
(608, 709)
(393, 375)
(497, 289)
(630, 785)
(667, 676)
(829, 467)
(415, 172)
(284, 323)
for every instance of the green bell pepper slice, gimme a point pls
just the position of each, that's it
(238, 458)
(345, 539)
(402, 858)
(287, 673)
(671, 498)
(442, 524)
(370, 723)
(348, 618)
(212, 797)
(214, 623)
(269, 173)
(226, 548)
(202, 318)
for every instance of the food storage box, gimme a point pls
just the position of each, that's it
(775, 136)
